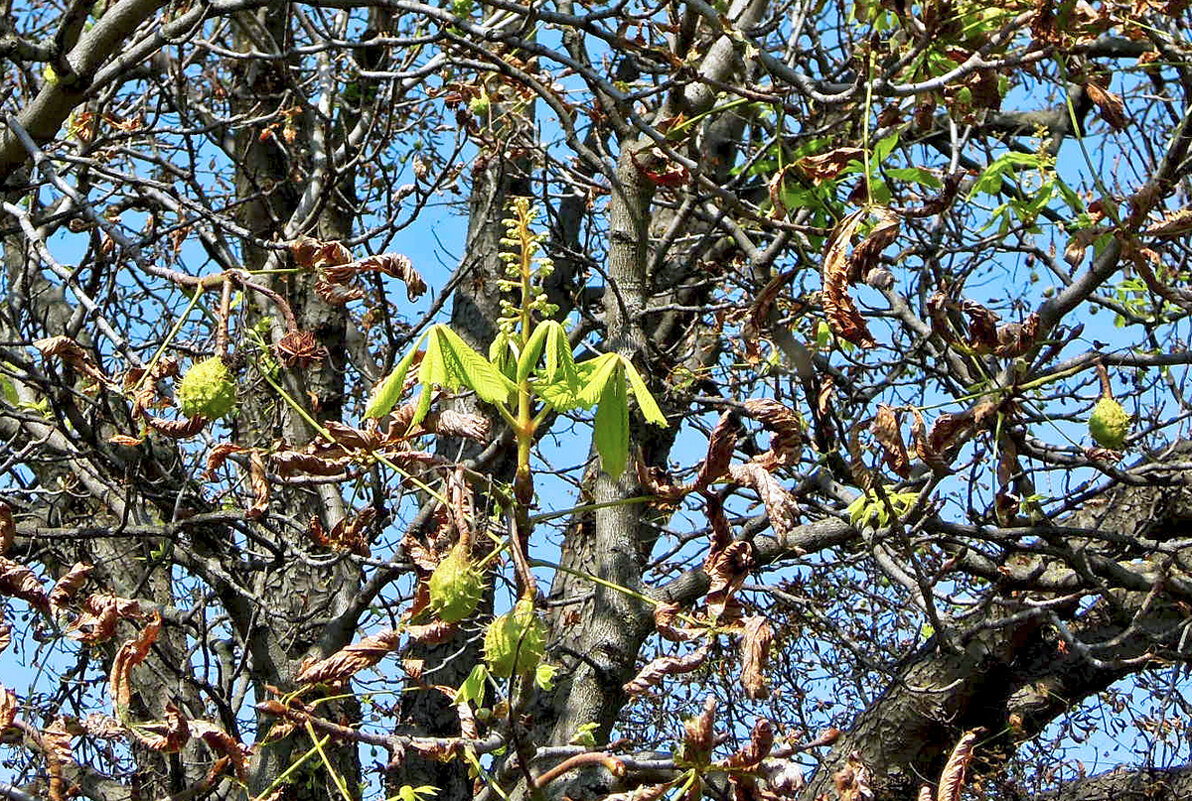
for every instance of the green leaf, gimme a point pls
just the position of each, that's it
(585, 735)
(473, 687)
(501, 353)
(544, 676)
(645, 401)
(599, 370)
(451, 363)
(884, 147)
(532, 350)
(916, 175)
(612, 425)
(387, 393)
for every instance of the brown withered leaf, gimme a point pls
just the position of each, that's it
(131, 654)
(658, 482)
(826, 166)
(865, 255)
(18, 581)
(125, 441)
(66, 587)
(761, 741)
(459, 496)
(781, 507)
(450, 423)
(101, 612)
(1177, 223)
(423, 558)
(334, 294)
(55, 747)
(721, 443)
(1015, 339)
(852, 781)
(72, 353)
(1098, 455)
(310, 254)
(298, 349)
(8, 528)
(1109, 105)
(167, 737)
(350, 660)
(982, 333)
(220, 742)
(259, 482)
(759, 314)
(218, 455)
(657, 669)
(5, 635)
(8, 707)
(291, 463)
(1079, 242)
(755, 656)
(699, 734)
(943, 441)
(843, 317)
(348, 535)
(103, 727)
(886, 428)
(665, 615)
(925, 793)
(785, 427)
(727, 570)
(952, 776)
(467, 720)
(778, 211)
(175, 429)
(396, 266)
(431, 633)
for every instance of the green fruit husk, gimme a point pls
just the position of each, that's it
(515, 641)
(207, 390)
(455, 587)
(1109, 424)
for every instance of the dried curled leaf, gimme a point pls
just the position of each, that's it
(396, 266)
(826, 166)
(1177, 223)
(663, 666)
(175, 429)
(103, 727)
(8, 707)
(18, 581)
(721, 444)
(218, 455)
(727, 570)
(55, 747)
(431, 633)
(761, 741)
(665, 615)
(852, 781)
(755, 656)
(299, 349)
(66, 587)
(1109, 105)
(223, 743)
(166, 737)
(72, 353)
(843, 317)
(952, 776)
(348, 661)
(8, 528)
(5, 636)
(101, 612)
(348, 535)
(131, 654)
(785, 426)
(259, 481)
(312, 254)
(699, 734)
(887, 430)
(781, 507)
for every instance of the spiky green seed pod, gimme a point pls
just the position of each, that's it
(207, 390)
(1109, 424)
(455, 586)
(515, 641)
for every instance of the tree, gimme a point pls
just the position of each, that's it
(874, 315)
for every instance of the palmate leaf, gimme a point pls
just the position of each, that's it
(452, 364)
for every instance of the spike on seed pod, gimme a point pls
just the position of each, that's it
(456, 586)
(1109, 424)
(515, 641)
(207, 390)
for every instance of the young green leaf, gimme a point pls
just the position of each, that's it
(602, 369)
(473, 687)
(532, 350)
(645, 401)
(452, 364)
(387, 393)
(611, 434)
